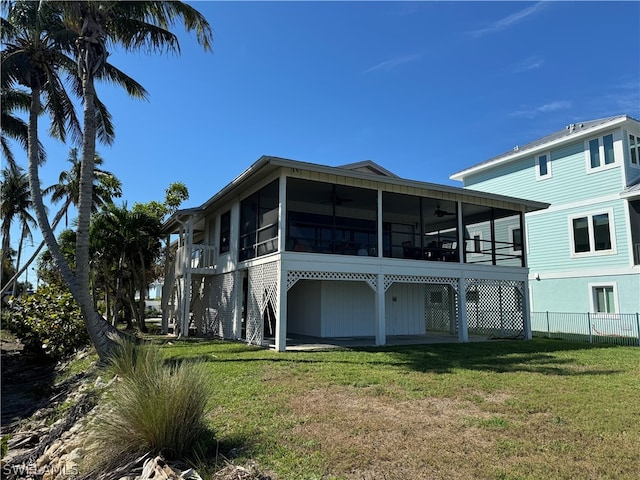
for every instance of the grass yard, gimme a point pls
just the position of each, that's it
(544, 409)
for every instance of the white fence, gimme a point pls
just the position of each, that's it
(611, 328)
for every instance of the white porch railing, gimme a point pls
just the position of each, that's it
(201, 260)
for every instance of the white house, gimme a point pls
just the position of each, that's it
(291, 249)
(584, 250)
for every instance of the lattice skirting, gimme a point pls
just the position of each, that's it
(262, 304)
(219, 316)
(495, 308)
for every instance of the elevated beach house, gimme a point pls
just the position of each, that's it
(298, 250)
(584, 250)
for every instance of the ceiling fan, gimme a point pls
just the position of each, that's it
(334, 198)
(441, 213)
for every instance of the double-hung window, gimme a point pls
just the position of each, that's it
(543, 166)
(592, 234)
(634, 150)
(603, 298)
(600, 152)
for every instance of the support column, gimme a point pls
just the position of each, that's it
(463, 331)
(381, 333)
(281, 320)
(526, 314)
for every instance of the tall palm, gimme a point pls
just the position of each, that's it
(106, 187)
(15, 204)
(13, 127)
(133, 26)
(35, 55)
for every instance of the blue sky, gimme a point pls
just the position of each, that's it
(425, 89)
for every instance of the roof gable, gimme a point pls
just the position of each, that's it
(369, 166)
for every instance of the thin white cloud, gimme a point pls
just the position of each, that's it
(546, 108)
(394, 62)
(509, 21)
(531, 63)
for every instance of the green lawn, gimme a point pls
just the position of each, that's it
(542, 409)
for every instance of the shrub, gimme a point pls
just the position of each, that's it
(48, 322)
(155, 406)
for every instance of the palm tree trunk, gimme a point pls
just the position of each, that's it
(15, 281)
(103, 335)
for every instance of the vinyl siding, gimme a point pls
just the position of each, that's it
(577, 293)
(569, 181)
(550, 242)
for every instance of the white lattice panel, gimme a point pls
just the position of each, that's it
(495, 307)
(222, 300)
(294, 276)
(391, 279)
(263, 291)
(441, 308)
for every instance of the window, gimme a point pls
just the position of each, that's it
(543, 166)
(591, 234)
(225, 231)
(600, 152)
(477, 243)
(634, 150)
(603, 298)
(516, 240)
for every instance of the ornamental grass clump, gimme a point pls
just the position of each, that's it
(155, 406)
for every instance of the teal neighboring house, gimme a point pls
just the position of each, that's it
(583, 252)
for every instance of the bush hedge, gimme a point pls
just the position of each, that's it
(48, 323)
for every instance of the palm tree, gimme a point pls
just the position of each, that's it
(35, 55)
(15, 205)
(134, 26)
(128, 242)
(107, 187)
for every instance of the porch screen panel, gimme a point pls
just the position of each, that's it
(259, 223)
(328, 218)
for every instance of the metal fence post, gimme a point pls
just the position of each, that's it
(548, 329)
(590, 333)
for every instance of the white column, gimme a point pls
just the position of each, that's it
(381, 334)
(526, 315)
(463, 331)
(380, 240)
(282, 214)
(281, 320)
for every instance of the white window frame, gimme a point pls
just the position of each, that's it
(592, 252)
(636, 147)
(539, 176)
(592, 297)
(603, 166)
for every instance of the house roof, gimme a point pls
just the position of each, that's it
(367, 170)
(632, 190)
(570, 133)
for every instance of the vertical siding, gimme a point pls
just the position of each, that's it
(303, 308)
(404, 309)
(348, 309)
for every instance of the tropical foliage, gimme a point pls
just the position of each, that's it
(48, 322)
(45, 41)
